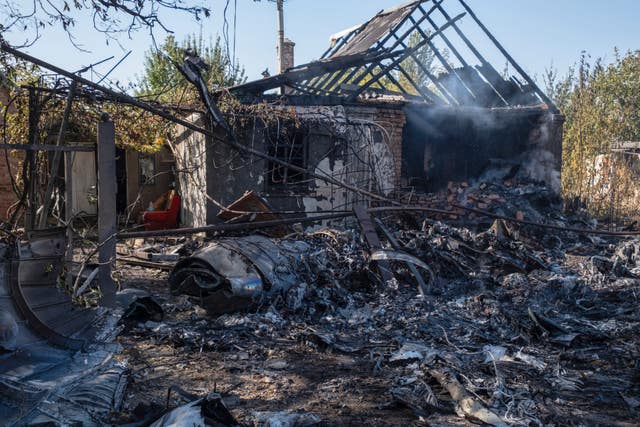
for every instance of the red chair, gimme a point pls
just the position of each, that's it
(163, 220)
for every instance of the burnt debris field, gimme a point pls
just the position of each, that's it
(482, 321)
(393, 234)
(515, 325)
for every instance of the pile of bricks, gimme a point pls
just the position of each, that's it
(502, 196)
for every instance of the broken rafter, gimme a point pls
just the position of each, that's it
(426, 93)
(313, 69)
(443, 36)
(352, 58)
(442, 59)
(524, 75)
(373, 240)
(405, 54)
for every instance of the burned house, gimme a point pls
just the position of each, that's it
(405, 102)
(487, 305)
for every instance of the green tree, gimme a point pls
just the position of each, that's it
(415, 66)
(602, 109)
(161, 80)
(559, 88)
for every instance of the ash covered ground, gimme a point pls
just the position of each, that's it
(518, 325)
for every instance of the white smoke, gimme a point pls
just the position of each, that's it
(540, 165)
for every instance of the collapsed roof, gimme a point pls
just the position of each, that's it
(416, 50)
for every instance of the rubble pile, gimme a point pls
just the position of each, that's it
(504, 191)
(518, 326)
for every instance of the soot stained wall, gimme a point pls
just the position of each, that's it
(442, 145)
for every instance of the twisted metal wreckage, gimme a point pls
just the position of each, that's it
(57, 360)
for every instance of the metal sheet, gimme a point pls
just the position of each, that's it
(374, 30)
(36, 293)
(236, 274)
(267, 257)
(50, 385)
(42, 384)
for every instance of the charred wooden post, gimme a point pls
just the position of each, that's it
(68, 212)
(106, 208)
(29, 195)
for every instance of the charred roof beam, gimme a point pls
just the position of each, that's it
(313, 69)
(405, 54)
(442, 35)
(471, 47)
(427, 94)
(428, 73)
(529, 80)
(374, 49)
(445, 63)
(335, 81)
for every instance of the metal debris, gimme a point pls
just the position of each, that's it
(517, 327)
(207, 411)
(237, 274)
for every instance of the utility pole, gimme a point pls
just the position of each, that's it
(281, 63)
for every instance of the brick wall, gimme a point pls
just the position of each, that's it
(393, 121)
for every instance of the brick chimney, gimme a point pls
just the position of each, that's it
(287, 55)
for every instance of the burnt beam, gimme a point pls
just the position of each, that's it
(107, 227)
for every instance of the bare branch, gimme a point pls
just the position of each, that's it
(110, 17)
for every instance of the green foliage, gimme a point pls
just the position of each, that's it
(161, 79)
(14, 106)
(557, 88)
(137, 130)
(416, 73)
(602, 107)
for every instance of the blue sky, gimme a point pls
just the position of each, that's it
(537, 33)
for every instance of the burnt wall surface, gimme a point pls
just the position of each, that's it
(359, 145)
(379, 148)
(228, 174)
(446, 144)
(190, 152)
